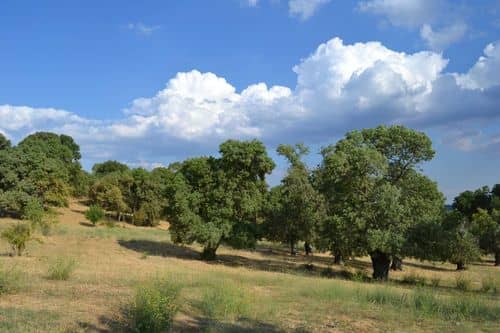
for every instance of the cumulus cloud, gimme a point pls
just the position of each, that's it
(304, 9)
(339, 87)
(425, 15)
(441, 39)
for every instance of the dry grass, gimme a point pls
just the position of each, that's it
(285, 297)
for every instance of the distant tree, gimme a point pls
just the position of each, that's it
(105, 168)
(295, 208)
(486, 227)
(469, 202)
(107, 193)
(460, 247)
(375, 193)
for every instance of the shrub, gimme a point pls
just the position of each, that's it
(61, 269)
(94, 214)
(10, 280)
(489, 283)
(153, 308)
(18, 236)
(360, 276)
(463, 283)
(225, 302)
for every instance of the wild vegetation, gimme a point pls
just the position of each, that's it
(367, 204)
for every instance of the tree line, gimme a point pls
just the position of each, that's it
(368, 196)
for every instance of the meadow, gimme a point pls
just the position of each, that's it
(80, 278)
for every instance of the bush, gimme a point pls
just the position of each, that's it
(153, 308)
(94, 214)
(463, 283)
(489, 283)
(18, 236)
(61, 269)
(10, 280)
(225, 302)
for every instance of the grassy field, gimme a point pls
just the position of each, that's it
(80, 277)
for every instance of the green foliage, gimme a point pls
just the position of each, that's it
(18, 235)
(294, 209)
(463, 283)
(153, 308)
(43, 166)
(4, 142)
(94, 214)
(61, 268)
(374, 192)
(486, 227)
(220, 200)
(109, 167)
(225, 302)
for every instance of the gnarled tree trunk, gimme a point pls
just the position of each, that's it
(497, 258)
(208, 253)
(397, 264)
(460, 266)
(380, 263)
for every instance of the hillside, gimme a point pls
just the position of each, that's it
(273, 291)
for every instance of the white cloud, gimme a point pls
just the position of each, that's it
(486, 72)
(441, 39)
(339, 87)
(142, 29)
(304, 9)
(425, 15)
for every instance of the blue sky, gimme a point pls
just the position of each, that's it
(150, 82)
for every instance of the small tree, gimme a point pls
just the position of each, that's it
(94, 214)
(18, 236)
(295, 208)
(460, 247)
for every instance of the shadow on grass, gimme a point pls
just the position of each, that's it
(87, 224)
(192, 325)
(273, 264)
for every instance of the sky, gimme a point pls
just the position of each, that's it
(152, 82)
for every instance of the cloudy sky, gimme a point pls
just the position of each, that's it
(151, 82)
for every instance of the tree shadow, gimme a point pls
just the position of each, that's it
(427, 267)
(87, 224)
(198, 324)
(275, 264)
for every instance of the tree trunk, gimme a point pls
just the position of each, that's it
(380, 263)
(397, 264)
(497, 258)
(208, 253)
(338, 259)
(460, 266)
(293, 252)
(307, 248)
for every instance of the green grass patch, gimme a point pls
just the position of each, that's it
(226, 301)
(11, 280)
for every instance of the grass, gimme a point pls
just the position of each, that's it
(61, 268)
(264, 290)
(11, 280)
(463, 283)
(226, 301)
